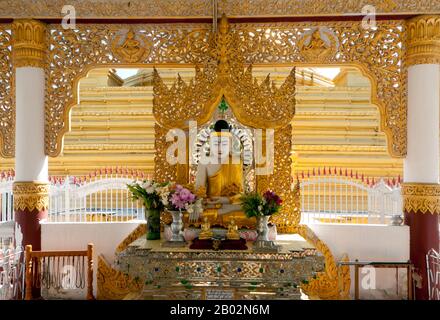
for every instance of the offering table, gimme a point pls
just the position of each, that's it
(183, 273)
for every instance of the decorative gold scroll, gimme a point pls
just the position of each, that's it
(334, 282)
(29, 43)
(30, 196)
(141, 9)
(113, 284)
(423, 40)
(378, 53)
(7, 94)
(140, 230)
(421, 198)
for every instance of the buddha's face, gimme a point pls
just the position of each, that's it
(220, 146)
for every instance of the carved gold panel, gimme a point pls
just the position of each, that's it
(7, 94)
(378, 53)
(203, 8)
(421, 198)
(31, 196)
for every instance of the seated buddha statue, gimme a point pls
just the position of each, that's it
(221, 175)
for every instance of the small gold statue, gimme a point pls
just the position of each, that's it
(205, 232)
(233, 233)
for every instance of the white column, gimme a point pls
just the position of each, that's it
(422, 163)
(31, 163)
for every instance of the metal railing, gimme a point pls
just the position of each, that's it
(327, 195)
(334, 197)
(12, 278)
(433, 269)
(6, 197)
(99, 197)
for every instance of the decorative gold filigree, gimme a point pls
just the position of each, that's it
(315, 48)
(134, 235)
(378, 52)
(281, 182)
(131, 49)
(255, 105)
(7, 94)
(332, 284)
(142, 9)
(30, 196)
(423, 40)
(421, 198)
(113, 284)
(29, 48)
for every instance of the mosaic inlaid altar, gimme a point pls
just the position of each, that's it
(182, 273)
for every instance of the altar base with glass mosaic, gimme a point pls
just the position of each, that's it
(183, 273)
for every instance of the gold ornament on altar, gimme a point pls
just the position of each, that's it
(131, 50)
(205, 232)
(232, 233)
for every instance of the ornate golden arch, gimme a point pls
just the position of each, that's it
(256, 105)
(378, 52)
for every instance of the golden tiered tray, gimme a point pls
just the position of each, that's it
(183, 273)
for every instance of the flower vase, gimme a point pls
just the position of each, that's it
(153, 223)
(176, 227)
(262, 228)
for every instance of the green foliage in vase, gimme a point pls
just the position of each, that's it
(251, 204)
(255, 205)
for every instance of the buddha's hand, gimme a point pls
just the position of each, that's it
(218, 200)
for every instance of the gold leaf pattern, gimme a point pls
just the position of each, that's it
(379, 53)
(7, 94)
(30, 196)
(421, 198)
(203, 8)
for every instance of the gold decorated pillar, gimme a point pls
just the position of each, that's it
(31, 189)
(421, 189)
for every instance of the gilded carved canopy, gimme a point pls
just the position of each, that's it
(378, 52)
(257, 105)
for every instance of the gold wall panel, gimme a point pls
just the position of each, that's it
(203, 8)
(378, 53)
(7, 94)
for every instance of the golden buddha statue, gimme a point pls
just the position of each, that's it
(221, 175)
(205, 232)
(233, 233)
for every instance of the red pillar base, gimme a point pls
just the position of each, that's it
(424, 235)
(31, 200)
(29, 222)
